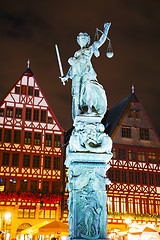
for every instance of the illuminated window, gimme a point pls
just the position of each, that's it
(47, 162)
(36, 161)
(132, 155)
(116, 204)
(137, 205)
(37, 138)
(126, 132)
(36, 115)
(123, 205)
(23, 89)
(27, 137)
(47, 213)
(157, 207)
(55, 187)
(26, 213)
(5, 159)
(130, 205)
(56, 163)
(48, 140)
(45, 186)
(151, 206)
(7, 135)
(2, 184)
(43, 116)
(151, 179)
(144, 206)
(15, 160)
(110, 204)
(114, 151)
(141, 156)
(144, 134)
(122, 153)
(137, 177)
(26, 160)
(144, 178)
(152, 157)
(137, 113)
(28, 114)
(18, 113)
(30, 91)
(134, 114)
(9, 112)
(1, 112)
(20, 213)
(23, 185)
(124, 176)
(131, 113)
(36, 93)
(33, 186)
(57, 140)
(17, 136)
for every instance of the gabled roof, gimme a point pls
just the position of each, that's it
(28, 73)
(113, 115)
(117, 112)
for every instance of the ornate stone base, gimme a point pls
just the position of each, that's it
(88, 154)
(87, 195)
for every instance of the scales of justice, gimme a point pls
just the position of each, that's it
(89, 148)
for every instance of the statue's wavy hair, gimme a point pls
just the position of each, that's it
(86, 35)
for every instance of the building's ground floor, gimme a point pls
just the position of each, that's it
(17, 216)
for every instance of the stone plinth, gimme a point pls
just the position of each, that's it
(88, 154)
(87, 195)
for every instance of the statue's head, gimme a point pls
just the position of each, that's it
(83, 39)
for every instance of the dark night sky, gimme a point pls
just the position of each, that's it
(29, 29)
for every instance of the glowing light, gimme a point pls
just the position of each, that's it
(7, 216)
(128, 221)
(63, 237)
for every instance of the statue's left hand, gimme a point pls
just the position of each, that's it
(107, 26)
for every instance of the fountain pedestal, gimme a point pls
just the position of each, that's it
(87, 163)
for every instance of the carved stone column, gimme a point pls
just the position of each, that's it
(88, 154)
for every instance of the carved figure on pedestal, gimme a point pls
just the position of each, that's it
(89, 137)
(88, 95)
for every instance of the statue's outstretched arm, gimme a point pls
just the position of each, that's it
(103, 37)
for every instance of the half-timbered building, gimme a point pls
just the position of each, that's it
(30, 158)
(134, 192)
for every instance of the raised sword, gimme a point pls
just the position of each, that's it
(59, 62)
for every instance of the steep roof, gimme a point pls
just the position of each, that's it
(113, 115)
(28, 74)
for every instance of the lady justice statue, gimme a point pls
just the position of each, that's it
(89, 148)
(88, 95)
